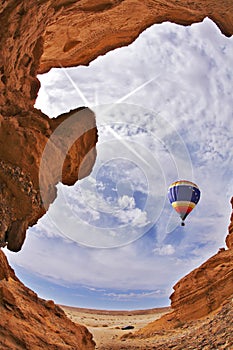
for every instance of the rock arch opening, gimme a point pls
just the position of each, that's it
(182, 68)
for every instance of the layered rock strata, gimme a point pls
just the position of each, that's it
(209, 333)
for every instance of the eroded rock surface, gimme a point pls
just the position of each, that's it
(28, 322)
(209, 333)
(89, 28)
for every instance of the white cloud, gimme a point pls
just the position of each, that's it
(166, 249)
(126, 202)
(134, 296)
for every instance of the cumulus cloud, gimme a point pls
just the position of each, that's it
(126, 202)
(166, 249)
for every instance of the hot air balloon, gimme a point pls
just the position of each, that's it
(183, 195)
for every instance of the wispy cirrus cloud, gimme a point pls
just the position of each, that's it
(132, 295)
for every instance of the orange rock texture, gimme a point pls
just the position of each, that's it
(28, 322)
(208, 333)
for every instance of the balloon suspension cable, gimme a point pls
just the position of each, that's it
(182, 223)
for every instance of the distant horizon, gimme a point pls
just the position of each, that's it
(114, 311)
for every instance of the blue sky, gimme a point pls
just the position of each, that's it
(164, 112)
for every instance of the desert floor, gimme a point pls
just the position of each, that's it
(106, 325)
(208, 333)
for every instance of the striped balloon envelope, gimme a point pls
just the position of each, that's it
(183, 195)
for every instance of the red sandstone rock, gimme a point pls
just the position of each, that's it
(204, 289)
(28, 322)
(212, 332)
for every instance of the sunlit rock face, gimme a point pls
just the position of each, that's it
(87, 29)
(28, 322)
(205, 288)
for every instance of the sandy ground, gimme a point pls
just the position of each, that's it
(106, 325)
(208, 333)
